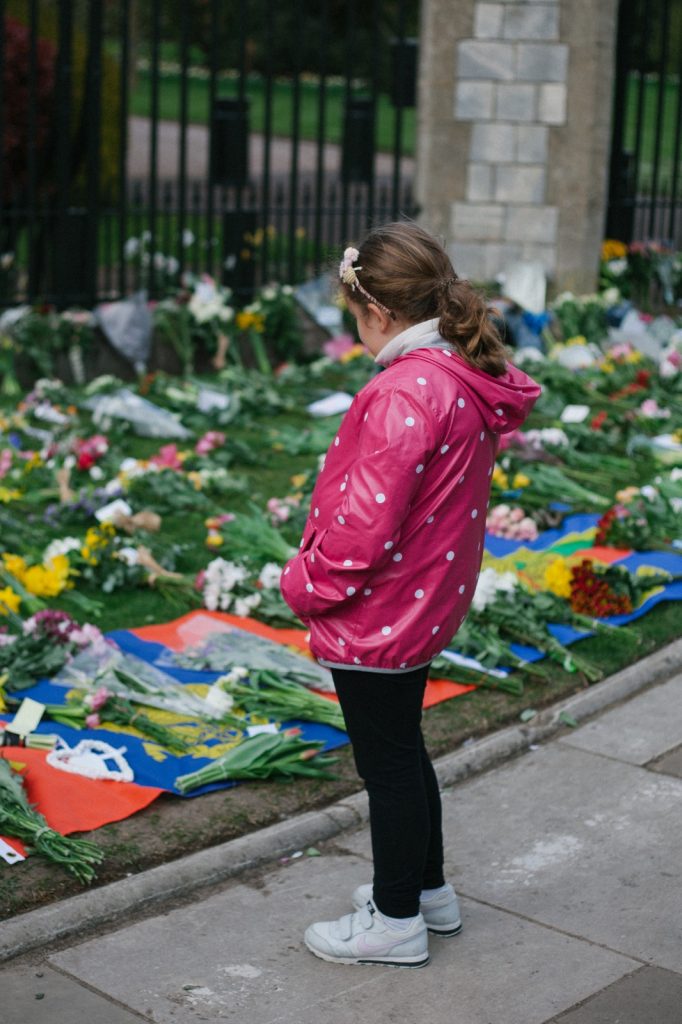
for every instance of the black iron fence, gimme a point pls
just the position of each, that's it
(645, 197)
(141, 139)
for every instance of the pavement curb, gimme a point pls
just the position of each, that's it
(80, 914)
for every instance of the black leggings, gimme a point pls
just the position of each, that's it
(383, 716)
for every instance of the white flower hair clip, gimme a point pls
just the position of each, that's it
(349, 276)
(347, 272)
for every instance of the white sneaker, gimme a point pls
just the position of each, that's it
(363, 938)
(441, 914)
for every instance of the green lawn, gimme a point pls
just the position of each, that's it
(282, 113)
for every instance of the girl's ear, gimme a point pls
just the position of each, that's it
(378, 319)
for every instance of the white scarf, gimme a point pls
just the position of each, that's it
(423, 335)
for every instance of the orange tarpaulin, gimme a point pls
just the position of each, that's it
(195, 626)
(70, 802)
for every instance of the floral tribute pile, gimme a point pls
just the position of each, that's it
(122, 504)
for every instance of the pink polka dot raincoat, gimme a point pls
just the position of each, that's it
(393, 544)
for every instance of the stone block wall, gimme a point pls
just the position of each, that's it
(514, 132)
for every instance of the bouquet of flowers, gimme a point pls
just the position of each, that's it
(267, 693)
(92, 710)
(520, 616)
(42, 646)
(20, 820)
(281, 755)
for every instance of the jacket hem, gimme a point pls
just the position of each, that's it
(371, 668)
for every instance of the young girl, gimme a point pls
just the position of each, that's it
(389, 560)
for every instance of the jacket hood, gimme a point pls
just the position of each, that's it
(504, 402)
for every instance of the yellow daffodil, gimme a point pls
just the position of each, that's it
(195, 479)
(500, 478)
(557, 578)
(35, 462)
(634, 357)
(247, 321)
(352, 353)
(9, 601)
(7, 495)
(214, 540)
(298, 480)
(48, 580)
(577, 339)
(612, 249)
(15, 565)
(520, 480)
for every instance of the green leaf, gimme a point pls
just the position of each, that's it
(567, 719)
(528, 714)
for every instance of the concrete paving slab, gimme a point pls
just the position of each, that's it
(649, 994)
(40, 995)
(669, 764)
(575, 841)
(239, 955)
(637, 731)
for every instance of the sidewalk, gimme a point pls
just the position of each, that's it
(567, 861)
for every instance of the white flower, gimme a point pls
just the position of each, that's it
(128, 555)
(548, 435)
(172, 265)
(270, 575)
(244, 605)
(60, 546)
(96, 473)
(268, 294)
(616, 267)
(187, 237)
(648, 492)
(489, 584)
(131, 248)
(528, 354)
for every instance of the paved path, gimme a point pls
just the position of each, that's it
(168, 142)
(567, 861)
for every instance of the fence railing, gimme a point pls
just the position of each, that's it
(140, 140)
(645, 192)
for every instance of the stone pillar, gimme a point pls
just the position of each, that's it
(514, 132)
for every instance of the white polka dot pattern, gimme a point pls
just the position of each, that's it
(386, 630)
(409, 422)
(419, 594)
(380, 498)
(350, 591)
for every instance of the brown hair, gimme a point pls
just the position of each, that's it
(407, 271)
